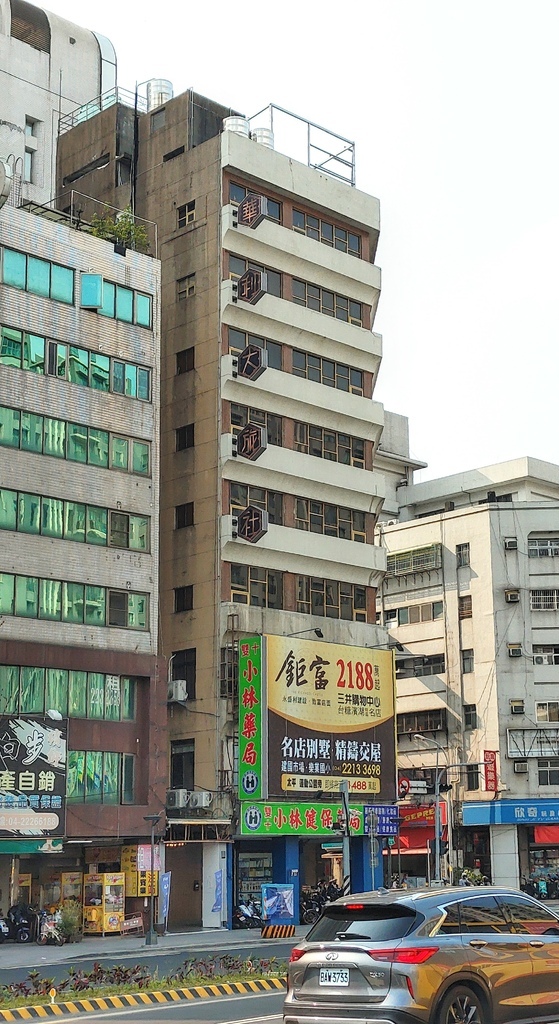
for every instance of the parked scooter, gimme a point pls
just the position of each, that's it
(19, 924)
(48, 932)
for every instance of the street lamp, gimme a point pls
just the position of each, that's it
(151, 935)
(317, 632)
(393, 646)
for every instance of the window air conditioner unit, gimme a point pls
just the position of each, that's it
(177, 799)
(520, 767)
(540, 659)
(177, 691)
(517, 707)
(512, 596)
(201, 798)
(511, 544)
(515, 650)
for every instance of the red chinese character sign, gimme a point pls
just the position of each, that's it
(251, 441)
(490, 759)
(252, 286)
(33, 777)
(251, 761)
(252, 211)
(330, 716)
(252, 362)
(252, 524)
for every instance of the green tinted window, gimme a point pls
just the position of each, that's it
(143, 384)
(34, 353)
(112, 698)
(119, 452)
(52, 517)
(72, 602)
(29, 513)
(93, 776)
(111, 764)
(140, 458)
(96, 525)
(77, 694)
(100, 371)
(62, 284)
(98, 447)
(76, 775)
(38, 276)
(14, 266)
(78, 366)
(8, 509)
(11, 347)
(95, 695)
(118, 377)
(95, 606)
(77, 442)
(128, 698)
(138, 533)
(31, 432)
(54, 438)
(32, 699)
(137, 611)
(124, 304)
(130, 380)
(143, 310)
(9, 688)
(74, 523)
(27, 596)
(57, 690)
(50, 599)
(61, 352)
(108, 307)
(9, 427)
(7, 584)
(128, 778)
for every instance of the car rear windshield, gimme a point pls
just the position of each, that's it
(377, 924)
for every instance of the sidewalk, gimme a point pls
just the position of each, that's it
(205, 942)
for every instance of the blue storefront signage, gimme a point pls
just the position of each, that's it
(387, 819)
(511, 812)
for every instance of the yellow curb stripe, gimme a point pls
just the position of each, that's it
(240, 987)
(56, 1009)
(160, 997)
(116, 1001)
(200, 991)
(173, 996)
(102, 1004)
(8, 1015)
(86, 1005)
(228, 989)
(73, 1008)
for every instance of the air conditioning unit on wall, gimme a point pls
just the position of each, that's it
(200, 799)
(177, 692)
(177, 799)
(512, 596)
(520, 767)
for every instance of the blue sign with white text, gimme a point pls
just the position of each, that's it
(387, 819)
(511, 812)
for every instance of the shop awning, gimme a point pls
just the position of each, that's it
(546, 835)
(17, 846)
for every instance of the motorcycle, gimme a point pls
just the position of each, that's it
(48, 932)
(19, 924)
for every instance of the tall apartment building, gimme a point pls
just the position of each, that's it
(48, 67)
(79, 538)
(288, 280)
(471, 593)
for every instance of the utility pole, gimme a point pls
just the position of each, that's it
(346, 858)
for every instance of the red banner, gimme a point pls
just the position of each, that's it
(490, 758)
(421, 816)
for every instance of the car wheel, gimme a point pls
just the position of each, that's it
(461, 1005)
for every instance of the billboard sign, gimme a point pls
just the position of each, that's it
(297, 819)
(490, 765)
(251, 724)
(32, 776)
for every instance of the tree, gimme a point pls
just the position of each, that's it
(121, 227)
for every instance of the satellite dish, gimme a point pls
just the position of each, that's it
(5, 181)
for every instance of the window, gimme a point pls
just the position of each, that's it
(238, 266)
(324, 231)
(158, 119)
(545, 654)
(328, 444)
(328, 372)
(330, 520)
(38, 276)
(467, 660)
(482, 915)
(528, 917)
(465, 607)
(428, 665)
(331, 599)
(127, 610)
(417, 560)
(422, 721)
(415, 613)
(470, 716)
(186, 213)
(543, 547)
(544, 600)
(185, 360)
(184, 515)
(547, 711)
(260, 588)
(229, 672)
(172, 154)
(70, 520)
(239, 192)
(100, 777)
(30, 154)
(22, 350)
(239, 340)
(31, 597)
(183, 666)
(472, 777)
(184, 597)
(462, 555)
(548, 771)
(186, 286)
(182, 764)
(338, 306)
(121, 303)
(242, 414)
(184, 437)
(271, 502)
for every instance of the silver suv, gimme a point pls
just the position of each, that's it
(444, 956)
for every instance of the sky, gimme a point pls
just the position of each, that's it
(453, 107)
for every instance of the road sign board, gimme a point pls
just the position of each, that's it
(403, 787)
(386, 819)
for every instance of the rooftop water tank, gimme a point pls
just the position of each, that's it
(159, 90)
(239, 125)
(264, 136)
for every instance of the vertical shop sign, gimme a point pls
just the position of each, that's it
(490, 759)
(251, 696)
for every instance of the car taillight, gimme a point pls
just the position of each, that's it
(296, 954)
(407, 955)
